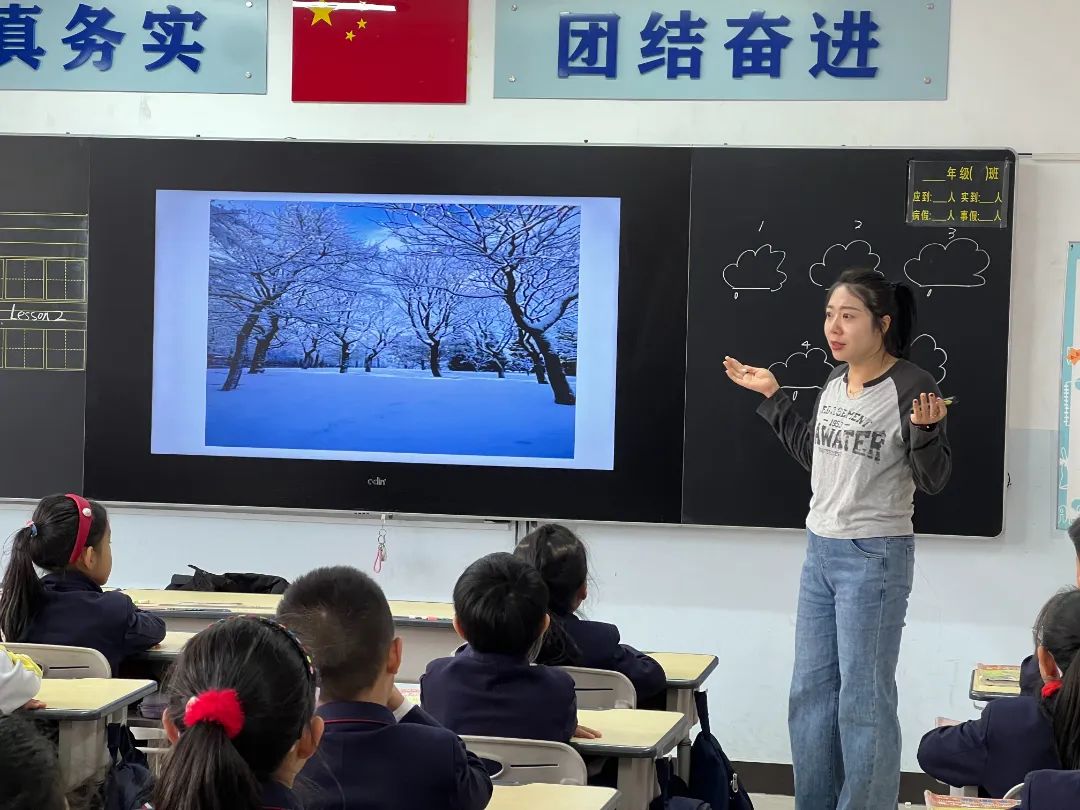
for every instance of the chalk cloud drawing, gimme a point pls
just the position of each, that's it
(930, 357)
(756, 270)
(803, 371)
(857, 255)
(957, 263)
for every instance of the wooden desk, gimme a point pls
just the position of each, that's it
(167, 650)
(990, 681)
(686, 672)
(426, 627)
(550, 797)
(636, 738)
(82, 707)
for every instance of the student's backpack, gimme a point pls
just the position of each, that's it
(674, 794)
(227, 583)
(712, 779)
(129, 784)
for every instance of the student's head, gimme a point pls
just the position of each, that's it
(241, 711)
(866, 315)
(560, 557)
(500, 605)
(66, 533)
(1074, 535)
(1057, 639)
(29, 774)
(343, 618)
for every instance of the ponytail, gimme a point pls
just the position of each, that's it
(883, 298)
(204, 771)
(22, 590)
(46, 542)
(1058, 632)
(560, 557)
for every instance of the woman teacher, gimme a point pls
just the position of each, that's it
(877, 435)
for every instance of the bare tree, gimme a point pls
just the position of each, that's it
(430, 294)
(490, 333)
(525, 255)
(258, 256)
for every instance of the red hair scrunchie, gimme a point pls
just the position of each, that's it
(219, 706)
(1051, 688)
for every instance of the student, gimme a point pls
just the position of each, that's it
(29, 774)
(20, 680)
(241, 719)
(1018, 735)
(70, 539)
(1051, 790)
(1030, 677)
(489, 688)
(379, 751)
(560, 557)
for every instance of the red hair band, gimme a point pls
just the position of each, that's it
(1051, 688)
(219, 706)
(86, 519)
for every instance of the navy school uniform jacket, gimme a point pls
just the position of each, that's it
(494, 695)
(1051, 790)
(273, 796)
(77, 613)
(1013, 737)
(1031, 679)
(599, 648)
(367, 760)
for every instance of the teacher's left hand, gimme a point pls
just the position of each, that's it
(928, 409)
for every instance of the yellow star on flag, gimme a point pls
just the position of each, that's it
(362, 24)
(350, 35)
(321, 14)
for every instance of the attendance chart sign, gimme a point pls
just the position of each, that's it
(182, 46)
(1069, 439)
(679, 49)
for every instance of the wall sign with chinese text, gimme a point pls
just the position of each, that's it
(950, 194)
(790, 49)
(161, 46)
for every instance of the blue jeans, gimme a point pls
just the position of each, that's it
(845, 734)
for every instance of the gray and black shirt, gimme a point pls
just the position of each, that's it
(864, 456)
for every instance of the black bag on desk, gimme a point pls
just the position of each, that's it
(227, 583)
(712, 778)
(129, 783)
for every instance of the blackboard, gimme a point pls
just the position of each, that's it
(771, 230)
(43, 264)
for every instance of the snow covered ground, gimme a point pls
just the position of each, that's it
(391, 411)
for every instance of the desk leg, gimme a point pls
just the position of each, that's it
(682, 701)
(637, 783)
(81, 750)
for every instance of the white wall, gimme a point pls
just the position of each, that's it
(726, 591)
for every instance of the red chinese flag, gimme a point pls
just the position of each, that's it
(388, 51)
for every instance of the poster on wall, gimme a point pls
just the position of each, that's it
(661, 49)
(157, 46)
(381, 52)
(1068, 500)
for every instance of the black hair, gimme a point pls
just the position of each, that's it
(343, 618)
(883, 298)
(1058, 630)
(47, 543)
(563, 562)
(1074, 535)
(29, 773)
(500, 603)
(270, 672)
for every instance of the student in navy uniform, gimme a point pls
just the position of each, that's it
(29, 773)
(69, 538)
(241, 718)
(1018, 735)
(560, 557)
(488, 687)
(379, 752)
(1030, 678)
(1051, 790)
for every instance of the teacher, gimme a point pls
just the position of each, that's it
(877, 434)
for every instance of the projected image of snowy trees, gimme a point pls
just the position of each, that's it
(385, 327)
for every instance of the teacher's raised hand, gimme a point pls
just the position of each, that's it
(754, 379)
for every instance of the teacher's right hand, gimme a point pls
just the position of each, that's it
(755, 379)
